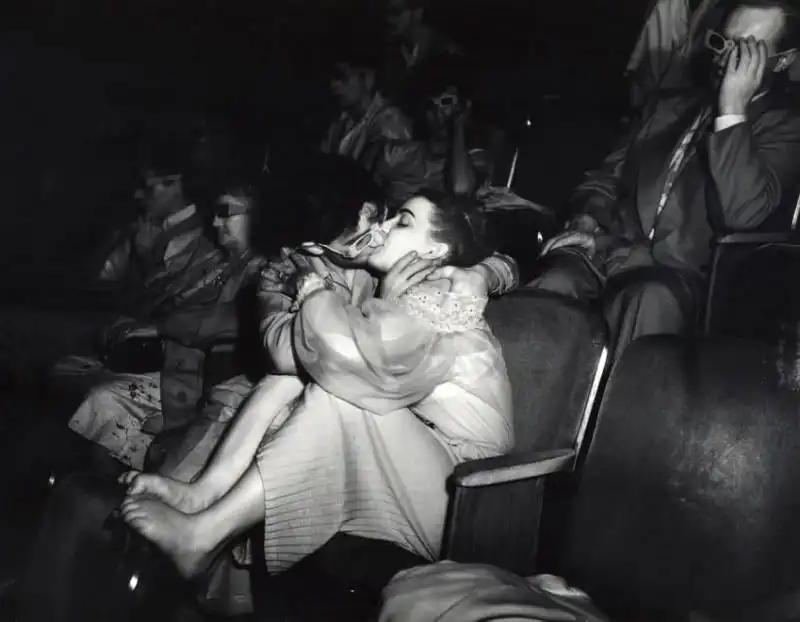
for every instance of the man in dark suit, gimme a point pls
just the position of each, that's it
(724, 157)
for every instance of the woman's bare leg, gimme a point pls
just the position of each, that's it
(191, 540)
(237, 451)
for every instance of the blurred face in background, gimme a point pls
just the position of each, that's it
(401, 17)
(160, 194)
(232, 222)
(352, 86)
(441, 110)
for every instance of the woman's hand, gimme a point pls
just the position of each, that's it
(409, 271)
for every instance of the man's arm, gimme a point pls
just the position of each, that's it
(753, 164)
(462, 177)
(596, 197)
(501, 273)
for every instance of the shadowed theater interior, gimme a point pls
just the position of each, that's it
(400, 311)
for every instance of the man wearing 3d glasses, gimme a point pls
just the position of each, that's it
(723, 157)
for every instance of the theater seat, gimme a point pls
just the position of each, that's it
(687, 502)
(753, 290)
(556, 356)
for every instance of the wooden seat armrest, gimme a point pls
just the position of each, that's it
(754, 238)
(511, 468)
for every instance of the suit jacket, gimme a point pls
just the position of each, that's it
(732, 180)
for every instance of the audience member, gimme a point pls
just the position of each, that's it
(723, 158)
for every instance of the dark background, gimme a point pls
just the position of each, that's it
(83, 80)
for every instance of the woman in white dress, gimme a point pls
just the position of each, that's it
(403, 385)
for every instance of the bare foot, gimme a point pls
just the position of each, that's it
(186, 498)
(174, 532)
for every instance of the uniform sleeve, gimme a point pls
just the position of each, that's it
(275, 301)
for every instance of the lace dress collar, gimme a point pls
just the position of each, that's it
(446, 312)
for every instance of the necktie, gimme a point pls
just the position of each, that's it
(679, 158)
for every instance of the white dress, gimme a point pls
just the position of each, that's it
(399, 394)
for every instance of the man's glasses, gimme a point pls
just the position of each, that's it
(445, 101)
(718, 43)
(722, 45)
(229, 206)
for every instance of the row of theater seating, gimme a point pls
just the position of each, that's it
(663, 488)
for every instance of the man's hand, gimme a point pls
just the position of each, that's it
(406, 273)
(468, 281)
(580, 232)
(146, 231)
(126, 328)
(306, 264)
(744, 73)
(570, 239)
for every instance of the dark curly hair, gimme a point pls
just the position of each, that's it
(460, 223)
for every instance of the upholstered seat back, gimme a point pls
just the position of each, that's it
(688, 499)
(552, 348)
(754, 291)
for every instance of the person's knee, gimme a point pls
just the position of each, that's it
(656, 292)
(103, 393)
(647, 306)
(567, 275)
(558, 281)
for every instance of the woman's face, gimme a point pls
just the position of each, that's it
(232, 222)
(408, 231)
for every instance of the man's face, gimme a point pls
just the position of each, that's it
(402, 18)
(368, 215)
(761, 23)
(399, 20)
(160, 194)
(349, 85)
(442, 109)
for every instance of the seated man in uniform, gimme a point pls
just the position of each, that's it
(152, 262)
(202, 369)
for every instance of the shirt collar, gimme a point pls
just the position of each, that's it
(178, 217)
